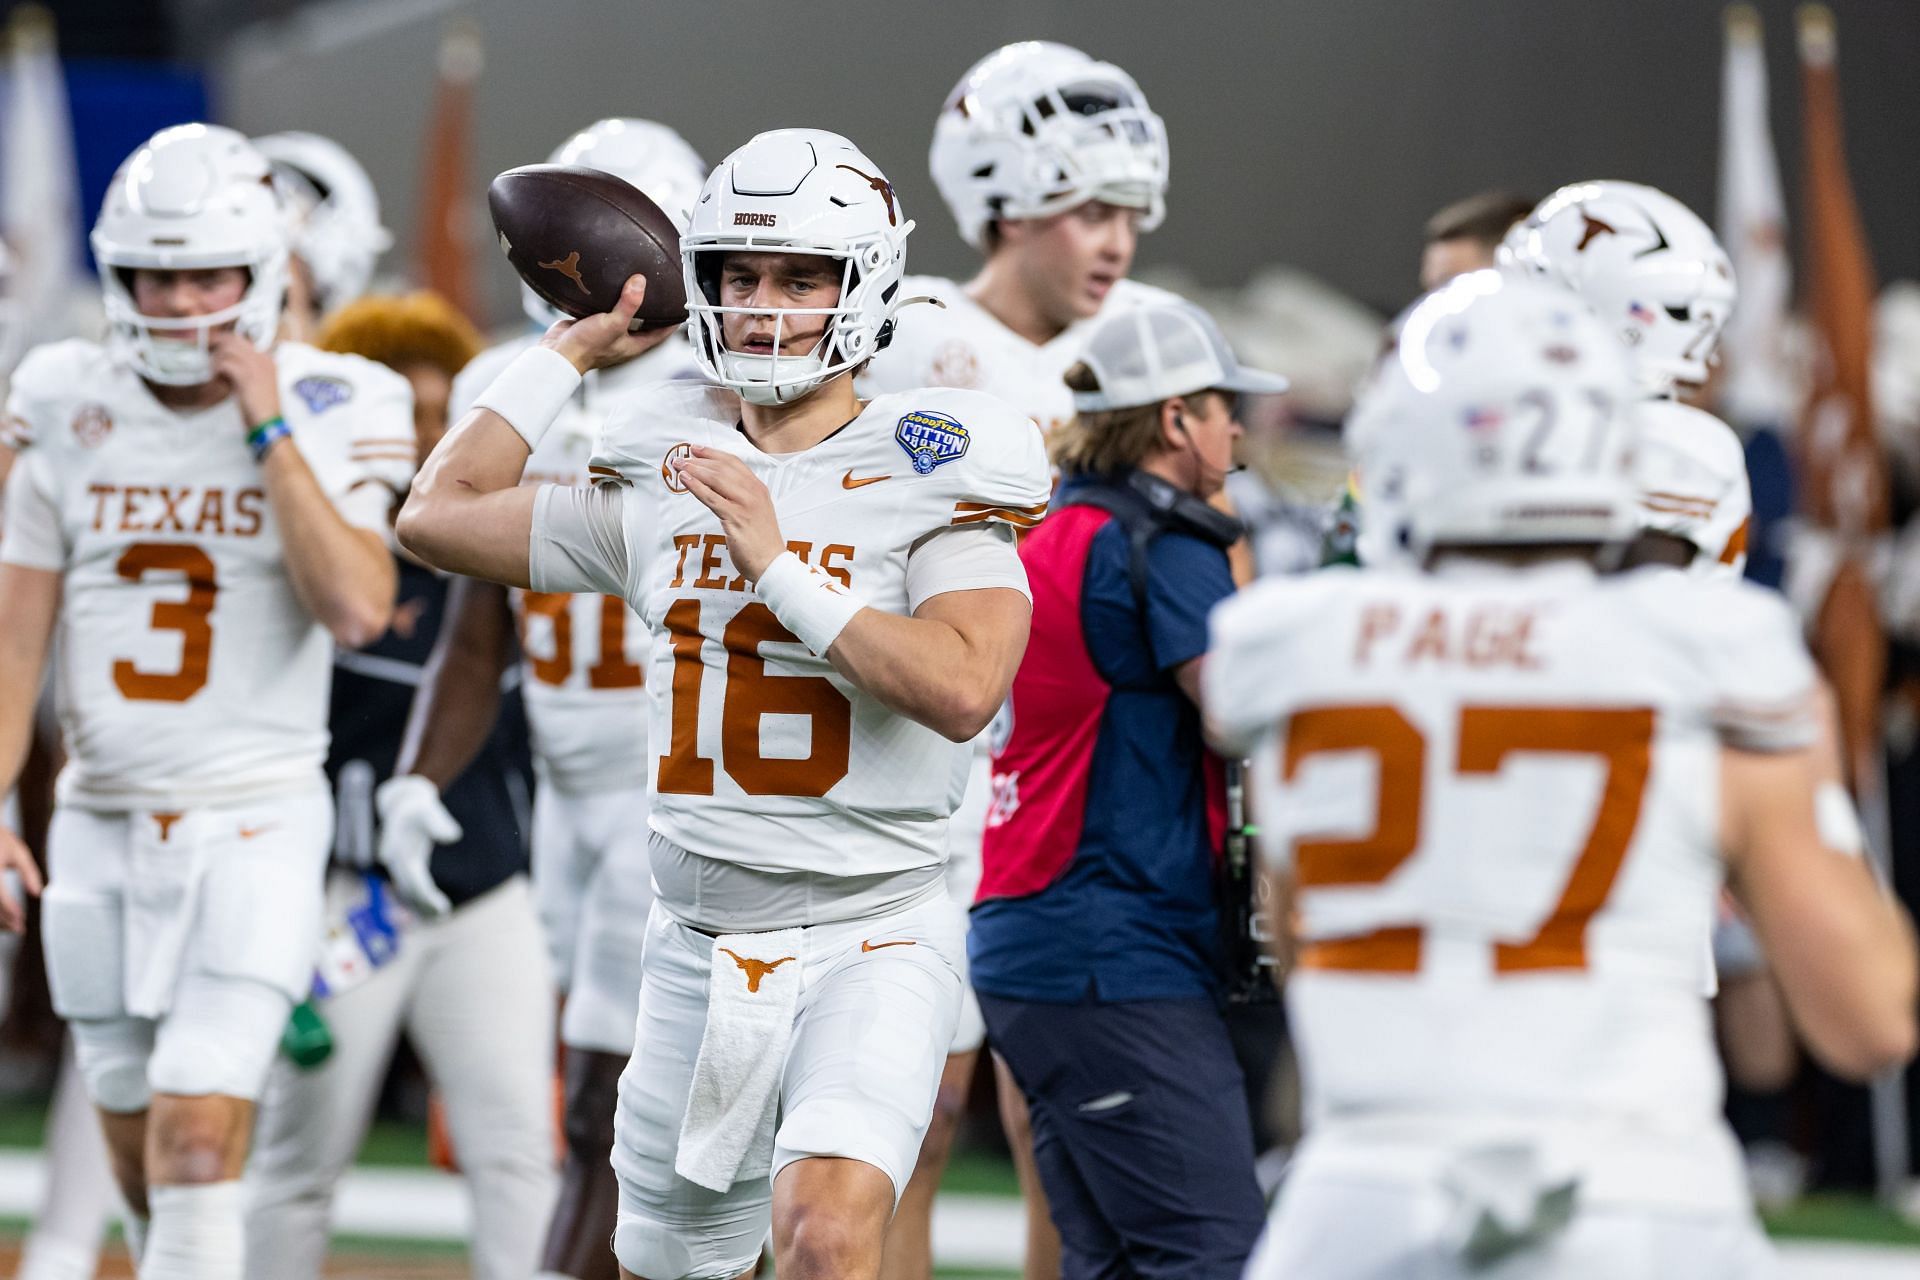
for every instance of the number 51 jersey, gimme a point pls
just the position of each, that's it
(1498, 794)
(764, 755)
(189, 672)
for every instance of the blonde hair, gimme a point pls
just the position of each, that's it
(402, 330)
(1109, 440)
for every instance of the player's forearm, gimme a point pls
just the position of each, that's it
(343, 575)
(924, 669)
(466, 512)
(1851, 988)
(30, 600)
(459, 699)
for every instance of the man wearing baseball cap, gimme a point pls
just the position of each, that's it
(1095, 943)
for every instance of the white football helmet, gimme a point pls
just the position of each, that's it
(1501, 413)
(333, 214)
(796, 191)
(193, 196)
(650, 157)
(1645, 263)
(1035, 128)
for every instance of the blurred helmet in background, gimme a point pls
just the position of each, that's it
(1035, 128)
(1649, 267)
(1500, 414)
(333, 214)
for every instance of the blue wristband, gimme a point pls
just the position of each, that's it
(262, 437)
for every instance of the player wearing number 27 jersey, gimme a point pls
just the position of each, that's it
(1501, 788)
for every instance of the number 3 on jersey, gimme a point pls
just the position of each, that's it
(752, 692)
(1621, 737)
(191, 618)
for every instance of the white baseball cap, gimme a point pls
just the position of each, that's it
(1164, 349)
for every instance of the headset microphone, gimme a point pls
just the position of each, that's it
(1180, 425)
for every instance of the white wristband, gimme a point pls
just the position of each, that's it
(530, 392)
(807, 602)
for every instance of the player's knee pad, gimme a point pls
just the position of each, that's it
(219, 1037)
(113, 1056)
(653, 1249)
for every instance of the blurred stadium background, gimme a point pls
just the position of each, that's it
(1311, 140)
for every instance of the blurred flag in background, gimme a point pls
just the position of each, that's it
(452, 221)
(39, 215)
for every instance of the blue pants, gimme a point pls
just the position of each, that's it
(1141, 1133)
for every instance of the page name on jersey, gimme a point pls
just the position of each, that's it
(1477, 636)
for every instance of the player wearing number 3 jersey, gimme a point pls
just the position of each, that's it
(1502, 789)
(201, 511)
(836, 608)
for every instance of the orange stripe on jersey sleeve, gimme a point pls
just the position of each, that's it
(1678, 504)
(1737, 544)
(983, 512)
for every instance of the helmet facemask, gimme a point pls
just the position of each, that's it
(183, 357)
(1097, 141)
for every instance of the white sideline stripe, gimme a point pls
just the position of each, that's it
(972, 1231)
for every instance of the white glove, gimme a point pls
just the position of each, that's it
(412, 822)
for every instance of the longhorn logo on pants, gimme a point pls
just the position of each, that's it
(755, 969)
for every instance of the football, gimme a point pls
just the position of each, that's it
(575, 234)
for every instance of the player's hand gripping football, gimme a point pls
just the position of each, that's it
(731, 491)
(606, 339)
(412, 822)
(15, 858)
(250, 372)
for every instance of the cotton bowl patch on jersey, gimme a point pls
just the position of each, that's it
(322, 393)
(930, 439)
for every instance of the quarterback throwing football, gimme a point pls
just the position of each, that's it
(836, 609)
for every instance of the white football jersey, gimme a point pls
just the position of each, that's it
(189, 673)
(1691, 473)
(764, 755)
(1498, 793)
(963, 345)
(582, 657)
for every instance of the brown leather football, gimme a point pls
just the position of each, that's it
(575, 234)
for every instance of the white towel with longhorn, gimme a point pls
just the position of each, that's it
(753, 991)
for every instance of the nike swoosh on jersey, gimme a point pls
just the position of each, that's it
(848, 482)
(248, 833)
(876, 946)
